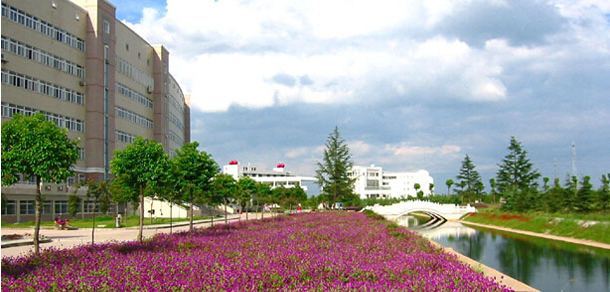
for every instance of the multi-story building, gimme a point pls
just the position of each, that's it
(275, 178)
(373, 182)
(88, 72)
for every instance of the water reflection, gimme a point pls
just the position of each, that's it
(544, 264)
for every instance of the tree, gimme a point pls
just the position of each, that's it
(140, 167)
(102, 197)
(469, 178)
(74, 204)
(38, 149)
(223, 185)
(449, 183)
(332, 173)
(431, 189)
(195, 172)
(584, 196)
(493, 185)
(516, 170)
(170, 190)
(603, 197)
(246, 190)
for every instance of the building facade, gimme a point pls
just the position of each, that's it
(275, 178)
(373, 182)
(91, 74)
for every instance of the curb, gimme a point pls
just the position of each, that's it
(21, 242)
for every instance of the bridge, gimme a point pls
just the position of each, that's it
(438, 212)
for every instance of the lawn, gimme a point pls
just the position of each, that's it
(566, 225)
(102, 222)
(330, 251)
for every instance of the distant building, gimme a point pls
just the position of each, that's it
(373, 182)
(275, 178)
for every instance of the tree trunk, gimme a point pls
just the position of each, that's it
(37, 216)
(246, 211)
(170, 217)
(93, 229)
(151, 211)
(226, 221)
(211, 215)
(140, 239)
(191, 214)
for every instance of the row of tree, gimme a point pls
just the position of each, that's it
(38, 149)
(517, 187)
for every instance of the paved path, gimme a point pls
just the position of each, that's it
(69, 238)
(553, 237)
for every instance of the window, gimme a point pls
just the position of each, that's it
(27, 207)
(124, 137)
(41, 26)
(47, 207)
(71, 181)
(8, 110)
(133, 117)
(106, 27)
(61, 207)
(82, 177)
(81, 153)
(42, 87)
(9, 206)
(91, 207)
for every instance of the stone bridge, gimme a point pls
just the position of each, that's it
(438, 211)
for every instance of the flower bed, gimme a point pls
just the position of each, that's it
(331, 251)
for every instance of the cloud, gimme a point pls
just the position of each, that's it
(411, 84)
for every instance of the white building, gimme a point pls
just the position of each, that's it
(373, 182)
(275, 178)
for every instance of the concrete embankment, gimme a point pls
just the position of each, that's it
(542, 235)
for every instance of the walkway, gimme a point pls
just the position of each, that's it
(442, 212)
(69, 238)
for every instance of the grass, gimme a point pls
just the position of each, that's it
(569, 225)
(107, 221)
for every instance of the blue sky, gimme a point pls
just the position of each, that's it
(410, 84)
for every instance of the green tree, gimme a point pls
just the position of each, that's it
(74, 204)
(332, 173)
(195, 172)
(38, 149)
(516, 170)
(170, 190)
(603, 197)
(224, 186)
(584, 196)
(493, 185)
(469, 178)
(246, 188)
(449, 183)
(555, 198)
(140, 167)
(516, 178)
(431, 189)
(262, 196)
(100, 193)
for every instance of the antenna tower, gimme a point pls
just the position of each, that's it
(574, 173)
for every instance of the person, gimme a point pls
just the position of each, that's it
(62, 223)
(299, 208)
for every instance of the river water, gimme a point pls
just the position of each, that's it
(544, 264)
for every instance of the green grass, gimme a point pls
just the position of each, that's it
(544, 223)
(107, 221)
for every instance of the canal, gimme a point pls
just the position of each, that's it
(544, 264)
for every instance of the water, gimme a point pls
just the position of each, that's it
(544, 264)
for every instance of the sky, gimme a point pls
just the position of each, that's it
(410, 84)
